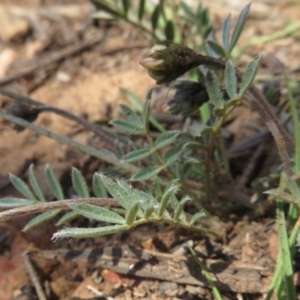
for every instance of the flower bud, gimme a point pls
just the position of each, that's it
(23, 111)
(167, 61)
(184, 97)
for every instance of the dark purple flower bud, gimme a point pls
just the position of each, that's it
(167, 61)
(23, 111)
(184, 97)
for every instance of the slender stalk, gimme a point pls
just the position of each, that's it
(125, 167)
(59, 111)
(62, 204)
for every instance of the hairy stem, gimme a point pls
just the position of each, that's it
(124, 167)
(62, 204)
(59, 111)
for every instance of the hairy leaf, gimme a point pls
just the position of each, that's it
(239, 27)
(130, 115)
(166, 198)
(97, 213)
(226, 33)
(35, 184)
(216, 47)
(179, 209)
(98, 187)
(116, 191)
(187, 168)
(10, 202)
(79, 184)
(137, 155)
(147, 109)
(196, 217)
(71, 215)
(135, 195)
(249, 75)
(53, 183)
(214, 91)
(149, 211)
(230, 80)
(165, 139)
(127, 127)
(132, 212)
(22, 187)
(89, 232)
(173, 155)
(146, 173)
(42, 218)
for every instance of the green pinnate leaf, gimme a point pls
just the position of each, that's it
(196, 217)
(35, 184)
(130, 115)
(147, 108)
(141, 9)
(53, 183)
(10, 202)
(214, 91)
(132, 213)
(98, 187)
(179, 210)
(249, 75)
(239, 27)
(97, 213)
(137, 155)
(22, 187)
(188, 11)
(171, 190)
(216, 48)
(68, 217)
(117, 191)
(146, 173)
(107, 8)
(230, 80)
(148, 212)
(155, 16)
(127, 126)
(226, 33)
(79, 184)
(173, 155)
(165, 139)
(135, 195)
(89, 232)
(42, 218)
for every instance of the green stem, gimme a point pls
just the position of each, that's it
(207, 275)
(277, 278)
(286, 266)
